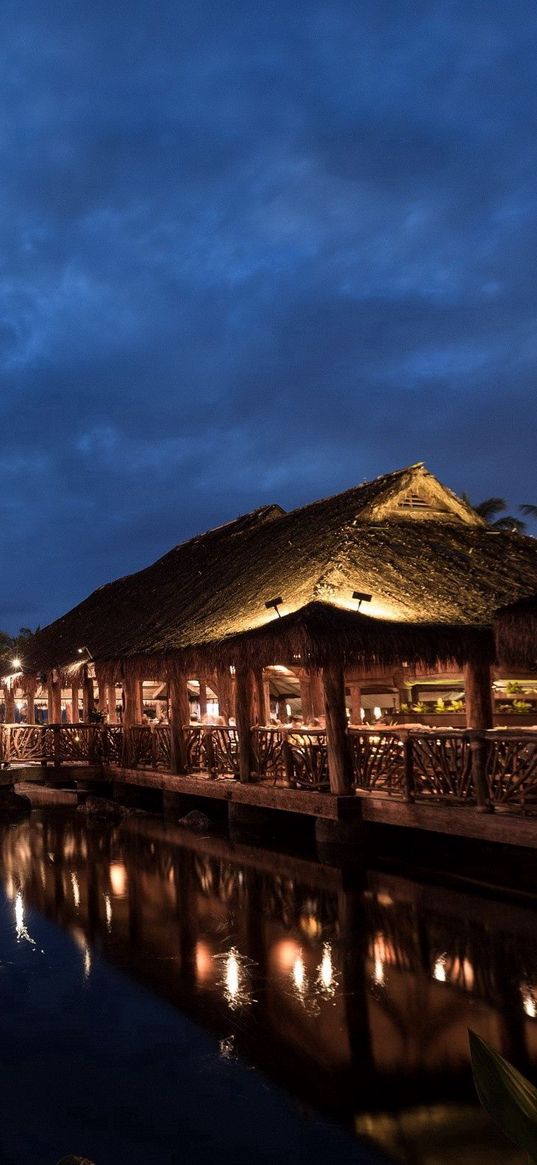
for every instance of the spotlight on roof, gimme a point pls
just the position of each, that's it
(84, 651)
(362, 597)
(16, 663)
(275, 603)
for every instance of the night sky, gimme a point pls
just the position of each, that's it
(255, 252)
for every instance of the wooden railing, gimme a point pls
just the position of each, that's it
(489, 769)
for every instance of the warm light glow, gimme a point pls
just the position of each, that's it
(377, 712)
(76, 890)
(285, 953)
(325, 976)
(529, 1002)
(233, 981)
(439, 970)
(20, 927)
(16, 662)
(310, 925)
(204, 962)
(299, 974)
(108, 912)
(382, 952)
(118, 879)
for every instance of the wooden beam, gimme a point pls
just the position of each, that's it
(244, 700)
(339, 757)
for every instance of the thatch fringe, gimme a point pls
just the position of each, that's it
(515, 629)
(317, 635)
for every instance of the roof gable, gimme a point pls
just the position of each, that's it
(415, 493)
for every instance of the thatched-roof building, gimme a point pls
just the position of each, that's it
(395, 570)
(431, 571)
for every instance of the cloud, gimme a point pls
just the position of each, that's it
(255, 253)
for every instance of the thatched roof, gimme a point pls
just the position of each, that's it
(435, 572)
(516, 633)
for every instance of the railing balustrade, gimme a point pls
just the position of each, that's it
(496, 769)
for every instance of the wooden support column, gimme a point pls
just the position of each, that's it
(480, 717)
(9, 699)
(111, 703)
(478, 693)
(244, 700)
(203, 697)
(30, 707)
(355, 702)
(224, 691)
(317, 694)
(88, 701)
(306, 699)
(179, 705)
(75, 714)
(339, 756)
(263, 712)
(133, 702)
(54, 693)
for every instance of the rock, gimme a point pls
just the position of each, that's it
(102, 807)
(195, 820)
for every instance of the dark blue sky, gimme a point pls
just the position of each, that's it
(251, 253)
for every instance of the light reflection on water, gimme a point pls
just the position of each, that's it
(356, 999)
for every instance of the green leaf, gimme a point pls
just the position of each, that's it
(506, 1095)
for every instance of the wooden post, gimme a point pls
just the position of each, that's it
(179, 720)
(9, 698)
(133, 703)
(478, 693)
(263, 713)
(355, 702)
(244, 697)
(54, 694)
(317, 694)
(111, 702)
(88, 701)
(139, 701)
(75, 714)
(30, 707)
(224, 691)
(480, 717)
(203, 698)
(305, 698)
(339, 756)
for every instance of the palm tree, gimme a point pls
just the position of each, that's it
(491, 509)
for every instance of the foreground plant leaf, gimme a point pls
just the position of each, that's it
(506, 1095)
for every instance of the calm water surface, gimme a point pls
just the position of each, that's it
(167, 997)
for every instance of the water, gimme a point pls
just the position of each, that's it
(166, 998)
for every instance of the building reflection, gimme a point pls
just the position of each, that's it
(357, 1000)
